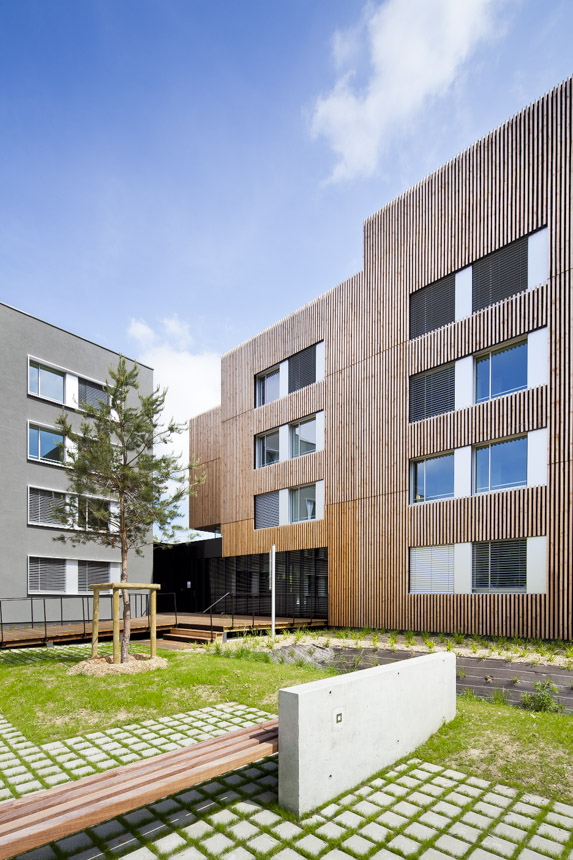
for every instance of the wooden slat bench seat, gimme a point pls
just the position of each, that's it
(56, 812)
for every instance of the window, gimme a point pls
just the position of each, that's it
(432, 569)
(267, 387)
(267, 510)
(47, 575)
(43, 506)
(93, 514)
(433, 306)
(501, 372)
(500, 275)
(302, 369)
(303, 437)
(92, 573)
(267, 449)
(303, 504)
(499, 566)
(432, 479)
(432, 392)
(44, 444)
(45, 382)
(501, 465)
(90, 393)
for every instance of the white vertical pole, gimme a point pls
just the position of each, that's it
(272, 586)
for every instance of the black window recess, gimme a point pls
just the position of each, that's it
(432, 392)
(499, 566)
(499, 275)
(90, 392)
(302, 369)
(267, 510)
(42, 505)
(433, 306)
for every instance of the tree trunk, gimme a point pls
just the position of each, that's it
(126, 633)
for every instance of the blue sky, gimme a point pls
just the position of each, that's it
(175, 175)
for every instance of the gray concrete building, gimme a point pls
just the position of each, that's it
(45, 369)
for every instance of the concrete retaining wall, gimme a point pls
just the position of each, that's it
(336, 732)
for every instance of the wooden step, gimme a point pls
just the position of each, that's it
(192, 635)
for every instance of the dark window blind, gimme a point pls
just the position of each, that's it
(42, 505)
(499, 275)
(92, 573)
(47, 575)
(432, 392)
(267, 510)
(433, 306)
(90, 393)
(499, 565)
(302, 369)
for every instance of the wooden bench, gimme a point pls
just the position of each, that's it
(56, 812)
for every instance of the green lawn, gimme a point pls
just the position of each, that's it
(47, 704)
(508, 745)
(497, 742)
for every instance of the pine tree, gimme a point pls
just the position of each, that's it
(122, 480)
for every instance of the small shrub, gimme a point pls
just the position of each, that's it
(409, 636)
(392, 639)
(515, 680)
(500, 697)
(461, 673)
(459, 638)
(543, 699)
(375, 640)
(449, 645)
(474, 648)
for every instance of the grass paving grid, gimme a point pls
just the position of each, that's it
(416, 810)
(236, 817)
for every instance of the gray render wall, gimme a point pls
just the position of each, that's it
(22, 336)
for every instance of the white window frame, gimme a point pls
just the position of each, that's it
(259, 381)
(258, 440)
(50, 368)
(424, 460)
(51, 428)
(489, 445)
(297, 489)
(71, 561)
(306, 420)
(520, 341)
(71, 379)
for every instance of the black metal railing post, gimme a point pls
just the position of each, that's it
(32, 611)
(1, 626)
(175, 606)
(45, 621)
(233, 609)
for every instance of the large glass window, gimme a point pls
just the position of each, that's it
(501, 372)
(432, 479)
(501, 466)
(267, 387)
(303, 437)
(45, 382)
(45, 444)
(499, 566)
(303, 503)
(267, 449)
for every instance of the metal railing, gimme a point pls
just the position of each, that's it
(36, 612)
(249, 598)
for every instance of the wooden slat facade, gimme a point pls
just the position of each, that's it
(510, 184)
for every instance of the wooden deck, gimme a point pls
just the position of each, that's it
(19, 637)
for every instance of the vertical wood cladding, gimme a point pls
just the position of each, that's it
(513, 182)
(205, 446)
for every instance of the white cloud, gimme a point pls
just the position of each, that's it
(192, 379)
(415, 48)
